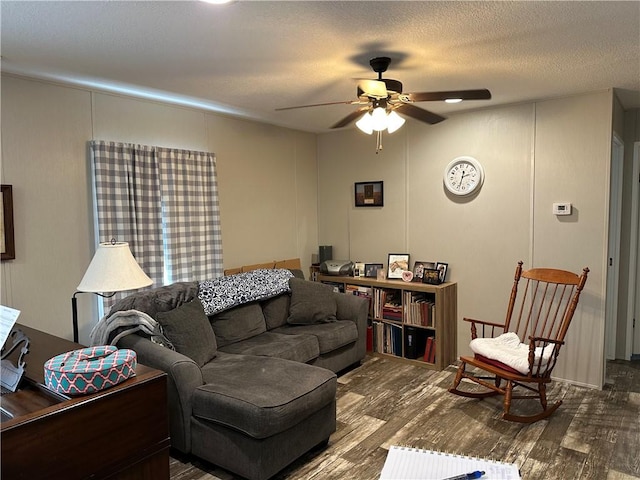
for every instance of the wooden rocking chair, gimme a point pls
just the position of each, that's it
(539, 314)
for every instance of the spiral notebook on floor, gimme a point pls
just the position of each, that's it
(406, 463)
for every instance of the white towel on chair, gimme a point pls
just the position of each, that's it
(508, 349)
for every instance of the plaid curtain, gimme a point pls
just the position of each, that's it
(164, 203)
(190, 215)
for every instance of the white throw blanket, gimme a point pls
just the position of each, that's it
(508, 349)
(129, 321)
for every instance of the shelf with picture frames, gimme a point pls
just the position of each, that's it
(408, 321)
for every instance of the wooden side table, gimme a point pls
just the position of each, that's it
(118, 433)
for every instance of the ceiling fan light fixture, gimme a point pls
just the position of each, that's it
(453, 100)
(365, 124)
(394, 121)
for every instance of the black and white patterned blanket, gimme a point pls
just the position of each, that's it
(223, 293)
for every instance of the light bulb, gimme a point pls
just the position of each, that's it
(453, 100)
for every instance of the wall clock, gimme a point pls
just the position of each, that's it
(463, 176)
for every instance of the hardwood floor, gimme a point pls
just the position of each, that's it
(594, 434)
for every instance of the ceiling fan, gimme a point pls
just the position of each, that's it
(384, 97)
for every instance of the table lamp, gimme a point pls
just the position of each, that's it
(112, 269)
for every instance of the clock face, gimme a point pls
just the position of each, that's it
(463, 176)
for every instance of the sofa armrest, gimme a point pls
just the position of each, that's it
(183, 377)
(356, 309)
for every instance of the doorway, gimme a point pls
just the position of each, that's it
(613, 256)
(632, 346)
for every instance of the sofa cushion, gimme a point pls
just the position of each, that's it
(276, 311)
(331, 336)
(261, 396)
(189, 330)
(299, 348)
(311, 302)
(239, 323)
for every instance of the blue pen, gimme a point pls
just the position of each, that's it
(466, 476)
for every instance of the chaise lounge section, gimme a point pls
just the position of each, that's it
(251, 388)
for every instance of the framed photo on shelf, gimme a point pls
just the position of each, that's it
(418, 270)
(442, 269)
(431, 276)
(7, 244)
(371, 269)
(369, 194)
(398, 263)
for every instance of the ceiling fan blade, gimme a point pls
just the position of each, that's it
(482, 94)
(372, 88)
(419, 114)
(350, 118)
(349, 102)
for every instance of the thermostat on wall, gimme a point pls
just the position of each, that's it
(562, 209)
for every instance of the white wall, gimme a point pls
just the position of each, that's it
(533, 155)
(45, 130)
(267, 179)
(268, 191)
(572, 162)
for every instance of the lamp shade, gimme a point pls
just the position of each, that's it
(113, 269)
(379, 119)
(365, 123)
(394, 122)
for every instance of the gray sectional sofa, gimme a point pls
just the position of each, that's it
(251, 388)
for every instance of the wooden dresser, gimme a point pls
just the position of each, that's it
(118, 433)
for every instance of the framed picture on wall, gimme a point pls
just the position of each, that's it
(398, 263)
(7, 244)
(369, 194)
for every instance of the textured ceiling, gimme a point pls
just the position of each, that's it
(249, 58)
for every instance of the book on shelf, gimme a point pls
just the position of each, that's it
(378, 335)
(392, 313)
(387, 338)
(391, 305)
(418, 309)
(360, 291)
(395, 333)
(430, 350)
(404, 463)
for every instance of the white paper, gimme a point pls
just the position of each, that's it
(415, 464)
(8, 318)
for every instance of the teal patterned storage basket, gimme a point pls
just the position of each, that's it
(89, 370)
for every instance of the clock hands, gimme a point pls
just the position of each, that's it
(462, 178)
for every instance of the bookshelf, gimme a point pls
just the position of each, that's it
(409, 321)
